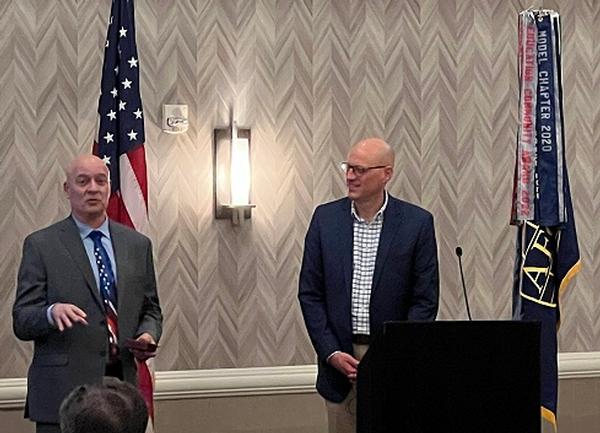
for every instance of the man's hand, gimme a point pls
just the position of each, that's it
(142, 355)
(66, 315)
(346, 364)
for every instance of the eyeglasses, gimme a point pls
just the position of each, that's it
(358, 170)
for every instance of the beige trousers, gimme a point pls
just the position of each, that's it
(341, 417)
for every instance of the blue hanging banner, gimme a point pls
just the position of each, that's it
(547, 255)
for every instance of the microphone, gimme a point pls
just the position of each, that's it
(462, 279)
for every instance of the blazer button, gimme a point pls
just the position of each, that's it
(103, 353)
(103, 322)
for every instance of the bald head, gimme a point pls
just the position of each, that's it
(85, 161)
(376, 150)
(88, 189)
(370, 166)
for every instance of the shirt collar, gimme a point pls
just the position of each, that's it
(85, 230)
(378, 216)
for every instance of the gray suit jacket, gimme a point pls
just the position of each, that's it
(55, 268)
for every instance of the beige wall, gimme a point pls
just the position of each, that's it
(435, 78)
(579, 405)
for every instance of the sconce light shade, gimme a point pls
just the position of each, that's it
(232, 174)
(240, 169)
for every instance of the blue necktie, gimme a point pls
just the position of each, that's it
(108, 290)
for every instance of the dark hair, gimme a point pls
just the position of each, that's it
(111, 407)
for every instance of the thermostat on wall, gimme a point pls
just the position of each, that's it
(175, 118)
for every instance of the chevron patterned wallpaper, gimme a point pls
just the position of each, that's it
(436, 78)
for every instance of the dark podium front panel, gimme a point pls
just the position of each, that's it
(451, 377)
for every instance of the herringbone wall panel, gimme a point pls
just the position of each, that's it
(436, 78)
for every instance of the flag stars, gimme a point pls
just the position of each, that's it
(121, 116)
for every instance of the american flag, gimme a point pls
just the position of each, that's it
(120, 141)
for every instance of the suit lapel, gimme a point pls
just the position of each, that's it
(72, 242)
(119, 243)
(392, 220)
(346, 236)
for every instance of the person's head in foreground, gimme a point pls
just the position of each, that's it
(111, 407)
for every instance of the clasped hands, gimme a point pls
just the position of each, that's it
(346, 364)
(67, 315)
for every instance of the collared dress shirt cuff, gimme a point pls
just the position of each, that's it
(330, 356)
(49, 315)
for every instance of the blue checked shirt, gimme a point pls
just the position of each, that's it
(364, 252)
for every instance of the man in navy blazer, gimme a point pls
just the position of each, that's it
(368, 258)
(59, 306)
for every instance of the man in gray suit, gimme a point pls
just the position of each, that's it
(86, 289)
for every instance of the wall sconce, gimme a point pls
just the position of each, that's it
(232, 174)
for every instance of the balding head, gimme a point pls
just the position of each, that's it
(86, 160)
(376, 149)
(370, 167)
(88, 189)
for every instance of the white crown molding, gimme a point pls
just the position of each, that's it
(12, 393)
(299, 379)
(228, 382)
(578, 365)
(184, 384)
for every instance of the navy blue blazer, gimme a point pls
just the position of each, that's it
(405, 281)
